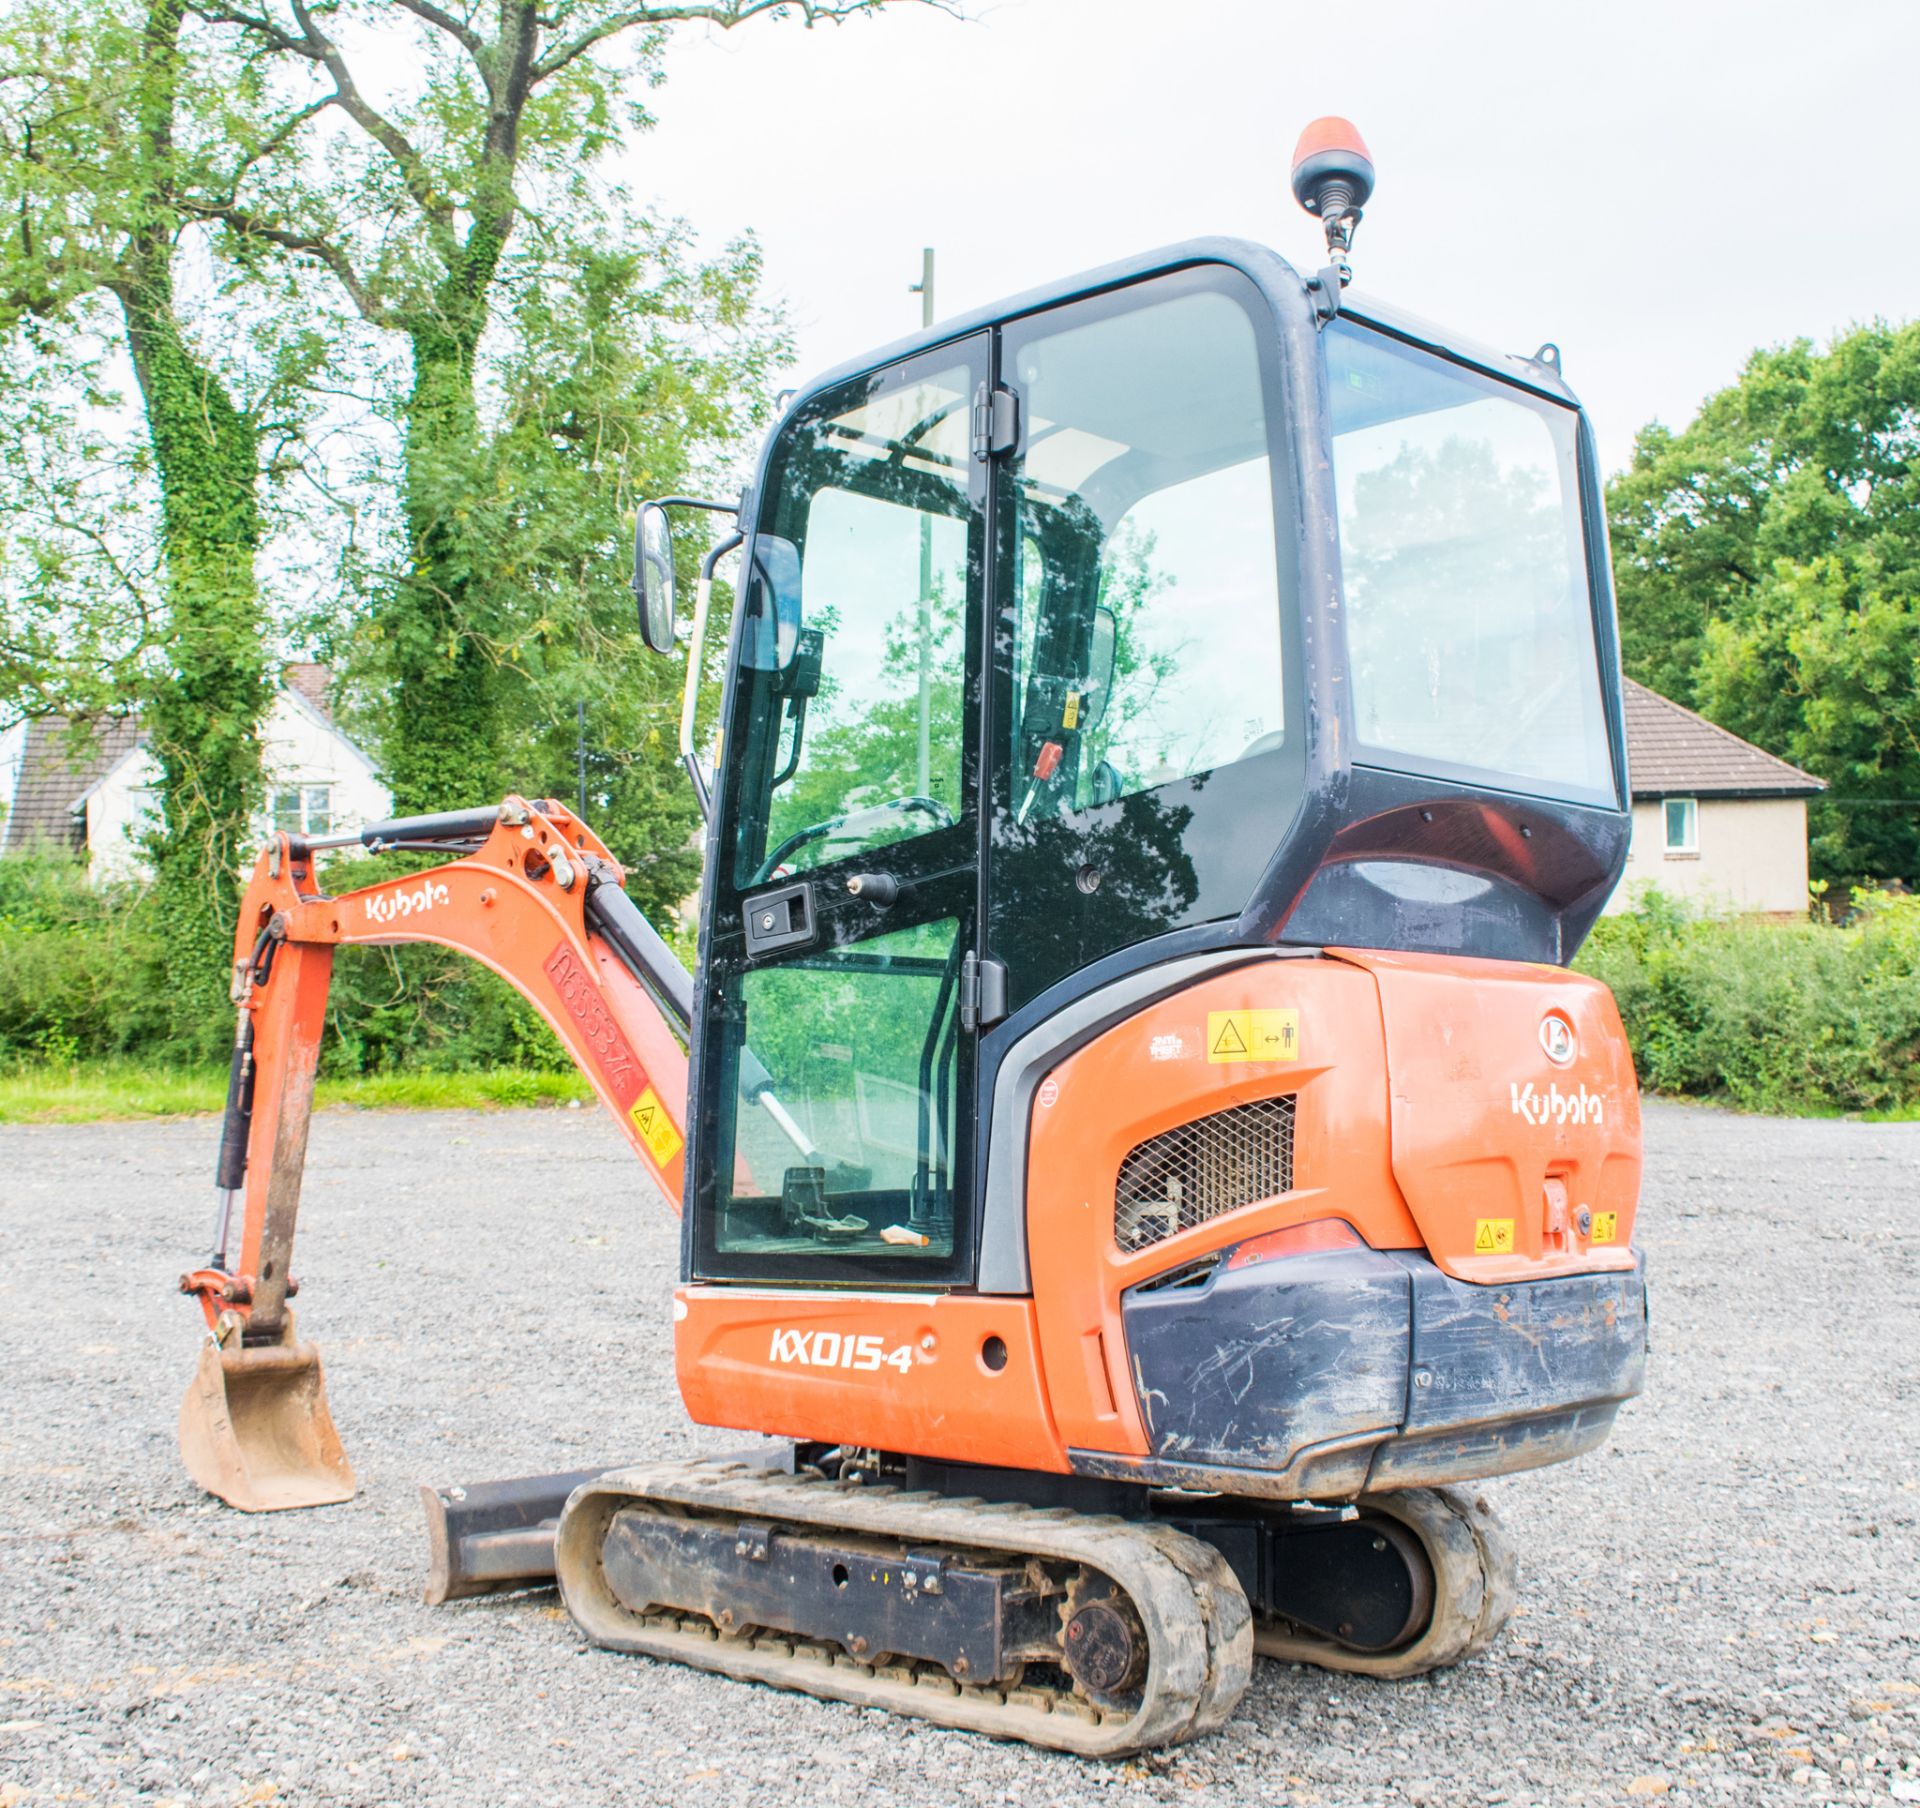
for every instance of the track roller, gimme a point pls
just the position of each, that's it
(1473, 1587)
(1094, 1635)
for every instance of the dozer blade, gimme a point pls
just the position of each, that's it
(255, 1430)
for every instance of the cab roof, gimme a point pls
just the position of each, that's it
(1283, 285)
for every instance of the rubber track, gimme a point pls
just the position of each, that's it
(1199, 1628)
(1474, 1584)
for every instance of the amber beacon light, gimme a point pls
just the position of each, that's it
(1333, 178)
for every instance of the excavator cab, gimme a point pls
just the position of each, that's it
(1186, 609)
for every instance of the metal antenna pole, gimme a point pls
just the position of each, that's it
(924, 763)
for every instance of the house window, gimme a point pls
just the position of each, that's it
(303, 810)
(1683, 825)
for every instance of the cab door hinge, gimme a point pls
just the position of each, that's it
(983, 992)
(996, 421)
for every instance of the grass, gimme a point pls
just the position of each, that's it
(102, 1092)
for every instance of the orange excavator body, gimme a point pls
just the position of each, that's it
(1480, 1151)
(1171, 748)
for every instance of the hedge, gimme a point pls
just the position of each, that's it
(81, 978)
(1797, 1017)
(1781, 1017)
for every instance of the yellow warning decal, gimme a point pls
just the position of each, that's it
(1253, 1035)
(1493, 1236)
(1606, 1226)
(655, 1126)
(1070, 715)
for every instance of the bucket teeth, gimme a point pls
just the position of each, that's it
(255, 1429)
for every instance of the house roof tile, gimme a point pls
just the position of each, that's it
(53, 780)
(313, 681)
(1671, 752)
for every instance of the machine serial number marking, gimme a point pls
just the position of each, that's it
(1493, 1236)
(1606, 1227)
(1253, 1035)
(581, 996)
(655, 1126)
(833, 1350)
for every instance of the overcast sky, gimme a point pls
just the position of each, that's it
(1658, 188)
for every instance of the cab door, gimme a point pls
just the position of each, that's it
(1147, 756)
(836, 1076)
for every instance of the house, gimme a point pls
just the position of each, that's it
(1714, 818)
(318, 780)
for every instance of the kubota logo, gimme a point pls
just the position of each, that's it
(1556, 1107)
(390, 907)
(1556, 1037)
(838, 1350)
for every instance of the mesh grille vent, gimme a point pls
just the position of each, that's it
(1195, 1172)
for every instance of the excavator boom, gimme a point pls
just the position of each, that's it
(531, 893)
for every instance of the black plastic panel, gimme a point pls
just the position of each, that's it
(1485, 1354)
(1262, 1361)
(1358, 1367)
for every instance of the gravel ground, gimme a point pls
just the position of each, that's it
(1722, 1606)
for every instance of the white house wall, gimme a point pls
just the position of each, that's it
(298, 747)
(1752, 856)
(13, 749)
(301, 747)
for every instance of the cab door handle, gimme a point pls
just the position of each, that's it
(779, 919)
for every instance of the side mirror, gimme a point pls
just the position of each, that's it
(653, 577)
(772, 628)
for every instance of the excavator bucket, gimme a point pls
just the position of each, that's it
(255, 1430)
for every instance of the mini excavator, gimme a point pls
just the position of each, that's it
(1139, 1146)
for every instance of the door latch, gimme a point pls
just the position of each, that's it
(983, 992)
(779, 919)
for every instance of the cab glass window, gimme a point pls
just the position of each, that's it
(853, 710)
(1145, 759)
(1469, 617)
(1149, 626)
(846, 1127)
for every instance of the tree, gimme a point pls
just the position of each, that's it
(413, 208)
(107, 122)
(626, 368)
(1767, 560)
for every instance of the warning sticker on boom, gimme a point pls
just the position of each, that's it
(1493, 1236)
(655, 1127)
(1253, 1035)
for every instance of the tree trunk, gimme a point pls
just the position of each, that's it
(203, 712)
(442, 746)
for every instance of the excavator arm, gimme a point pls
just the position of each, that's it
(531, 893)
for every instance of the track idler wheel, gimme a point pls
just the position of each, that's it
(1472, 1588)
